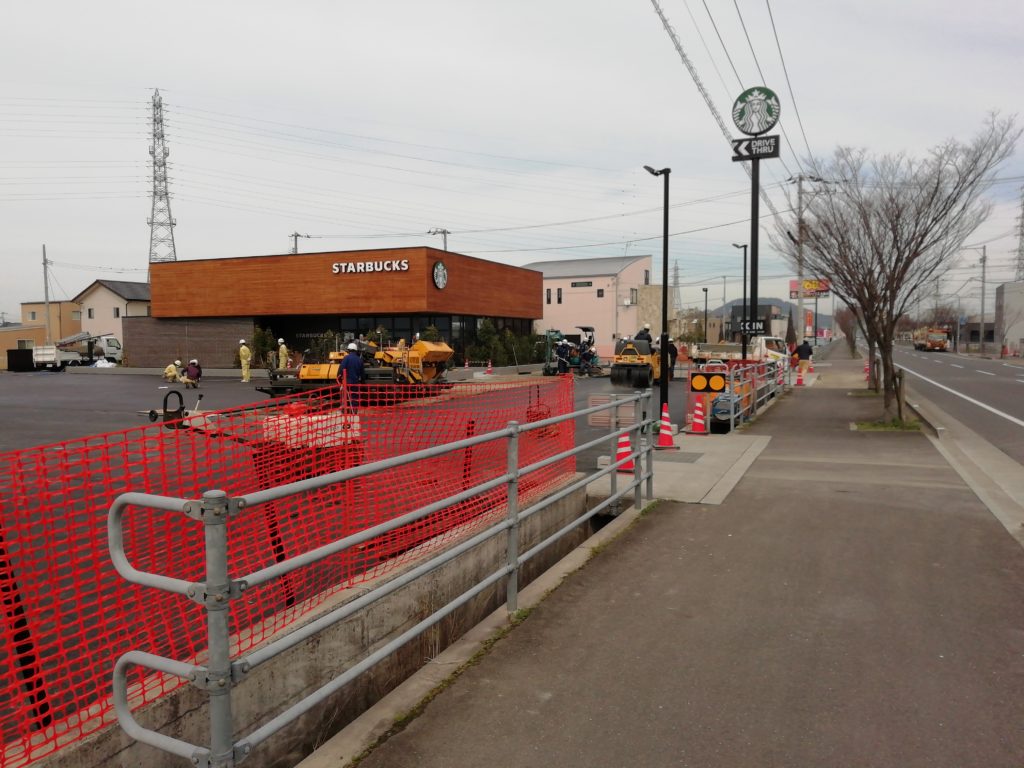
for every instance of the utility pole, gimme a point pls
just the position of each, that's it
(161, 223)
(800, 255)
(984, 254)
(295, 241)
(46, 297)
(444, 233)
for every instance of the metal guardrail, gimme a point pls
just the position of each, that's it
(221, 674)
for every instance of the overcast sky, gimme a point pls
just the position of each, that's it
(522, 127)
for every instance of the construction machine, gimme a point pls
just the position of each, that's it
(636, 365)
(423, 362)
(580, 359)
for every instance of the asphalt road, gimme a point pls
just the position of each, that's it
(42, 408)
(986, 395)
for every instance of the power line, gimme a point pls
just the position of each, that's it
(789, 85)
(764, 82)
(739, 79)
(395, 141)
(632, 240)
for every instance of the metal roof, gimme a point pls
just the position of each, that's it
(126, 290)
(610, 265)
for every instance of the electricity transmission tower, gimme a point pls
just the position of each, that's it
(1020, 240)
(161, 223)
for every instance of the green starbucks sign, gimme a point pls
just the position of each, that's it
(756, 111)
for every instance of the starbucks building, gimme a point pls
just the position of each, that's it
(201, 308)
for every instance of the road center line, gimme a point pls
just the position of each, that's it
(956, 366)
(987, 373)
(971, 400)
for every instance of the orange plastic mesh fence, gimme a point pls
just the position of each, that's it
(68, 615)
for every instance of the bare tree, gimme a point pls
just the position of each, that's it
(886, 228)
(846, 320)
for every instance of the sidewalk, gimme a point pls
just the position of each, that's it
(849, 602)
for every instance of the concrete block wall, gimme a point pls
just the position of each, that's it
(151, 342)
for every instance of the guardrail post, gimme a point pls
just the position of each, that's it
(218, 601)
(613, 420)
(648, 399)
(638, 418)
(512, 546)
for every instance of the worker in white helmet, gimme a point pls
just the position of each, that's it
(244, 357)
(172, 373)
(282, 354)
(644, 334)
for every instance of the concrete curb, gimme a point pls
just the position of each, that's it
(368, 728)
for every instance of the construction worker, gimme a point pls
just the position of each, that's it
(172, 372)
(803, 354)
(352, 372)
(282, 354)
(192, 374)
(245, 357)
(644, 334)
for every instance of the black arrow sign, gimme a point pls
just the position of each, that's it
(755, 148)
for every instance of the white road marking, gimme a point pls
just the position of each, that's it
(987, 373)
(956, 366)
(971, 400)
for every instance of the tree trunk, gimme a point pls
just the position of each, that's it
(889, 411)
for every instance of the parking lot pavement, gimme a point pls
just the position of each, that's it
(41, 407)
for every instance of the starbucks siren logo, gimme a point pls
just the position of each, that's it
(756, 111)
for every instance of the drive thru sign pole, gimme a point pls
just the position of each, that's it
(755, 112)
(755, 201)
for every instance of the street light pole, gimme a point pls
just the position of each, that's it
(705, 314)
(663, 378)
(743, 332)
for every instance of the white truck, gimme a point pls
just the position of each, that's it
(80, 349)
(766, 348)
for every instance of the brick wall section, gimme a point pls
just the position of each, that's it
(151, 342)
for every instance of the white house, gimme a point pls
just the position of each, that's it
(1010, 318)
(105, 302)
(606, 293)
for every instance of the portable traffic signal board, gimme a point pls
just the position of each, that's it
(708, 382)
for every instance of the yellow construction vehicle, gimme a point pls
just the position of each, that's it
(424, 362)
(635, 365)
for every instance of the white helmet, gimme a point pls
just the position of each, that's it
(647, 326)
(353, 346)
(241, 341)
(193, 362)
(177, 363)
(280, 341)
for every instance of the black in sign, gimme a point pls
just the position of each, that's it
(752, 326)
(755, 148)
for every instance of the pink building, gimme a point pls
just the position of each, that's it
(614, 295)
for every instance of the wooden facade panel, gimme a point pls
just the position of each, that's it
(400, 282)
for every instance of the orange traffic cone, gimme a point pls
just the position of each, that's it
(665, 434)
(811, 363)
(698, 427)
(800, 377)
(623, 451)
(490, 370)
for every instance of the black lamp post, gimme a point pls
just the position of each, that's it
(743, 333)
(705, 314)
(664, 288)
